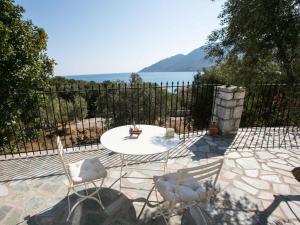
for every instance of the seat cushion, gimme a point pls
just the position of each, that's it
(87, 170)
(188, 190)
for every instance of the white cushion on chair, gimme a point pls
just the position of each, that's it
(87, 170)
(188, 190)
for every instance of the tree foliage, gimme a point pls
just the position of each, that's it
(258, 39)
(56, 111)
(24, 65)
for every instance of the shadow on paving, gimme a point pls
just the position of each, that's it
(224, 208)
(119, 210)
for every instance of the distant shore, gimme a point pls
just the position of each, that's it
(146, 76)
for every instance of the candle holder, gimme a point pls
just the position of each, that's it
(170, 132)
(134, 130)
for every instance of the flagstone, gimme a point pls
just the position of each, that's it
(14, 217)
(264, 172)
(295, 159)
(259, 184)
(4, 210)
(295, 189)
(285, 173)
(265, 167)
(279, 161)
(114, 173)
(271, 178)
(233, 155)
(265, 155)
(295, 164)
(281, 189)
(222, 149)
(280, 166)
(295, 207)
(214, 155)
(51, 188)
(276, 212)
(203, 148)
(35, 203)
(245, 187)
(229, 162)
(3, 190)
(248, 163)
(192, 148)
(283, 156)
(223, 184)
(234, 192)
(247, 154)
(135, 177)
(238, 171)
(251, 173)
(290, 180)
(228, 175)
(287, 210)
(265, 195)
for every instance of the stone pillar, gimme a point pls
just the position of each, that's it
(228, 108)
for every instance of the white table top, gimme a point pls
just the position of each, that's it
(152, 140)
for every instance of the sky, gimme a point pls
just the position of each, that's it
(114, 36)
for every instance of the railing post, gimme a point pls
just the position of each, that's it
(228, 108)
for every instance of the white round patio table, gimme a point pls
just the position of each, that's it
(151, 141)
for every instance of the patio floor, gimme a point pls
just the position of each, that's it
(256, 186)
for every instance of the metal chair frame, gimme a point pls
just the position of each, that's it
(125, 163)
(72, 186)
(200, 173)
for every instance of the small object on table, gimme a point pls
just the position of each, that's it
(170, 132)
(134, 130)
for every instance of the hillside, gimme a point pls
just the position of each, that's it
(194, 61)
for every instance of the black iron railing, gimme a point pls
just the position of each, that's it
(271, 117)
(271, 105)
(81, 114)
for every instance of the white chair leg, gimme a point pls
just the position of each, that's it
(169, 211)
(86, 191)
(121, 174)
(73, 208)
(98, 189)
(161, 210)
(68, 200)
(80, 201)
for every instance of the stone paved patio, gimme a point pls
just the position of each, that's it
(255, 185)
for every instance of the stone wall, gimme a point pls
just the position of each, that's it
(228, 108)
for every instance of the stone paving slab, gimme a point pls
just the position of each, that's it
(254, 185)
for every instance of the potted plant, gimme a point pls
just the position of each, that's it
(213, 129)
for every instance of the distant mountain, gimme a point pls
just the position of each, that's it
(194, 61)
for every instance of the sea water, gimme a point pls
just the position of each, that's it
(146, 76)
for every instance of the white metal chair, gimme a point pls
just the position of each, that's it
(83, 172)
(186, 187)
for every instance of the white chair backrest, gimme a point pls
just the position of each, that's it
(61, 153)
(209, 170)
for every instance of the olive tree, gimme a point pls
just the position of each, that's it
(24, 67)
